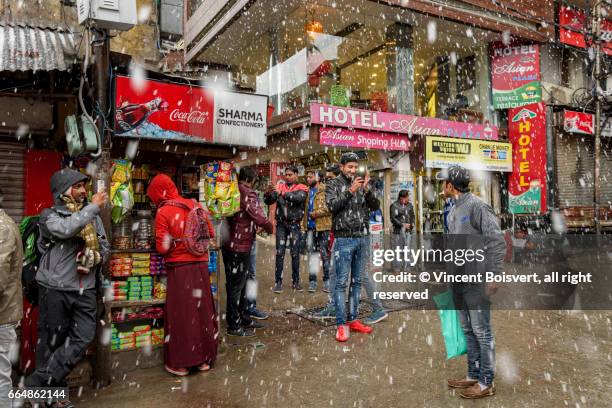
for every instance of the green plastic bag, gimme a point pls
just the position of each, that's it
(454, 339)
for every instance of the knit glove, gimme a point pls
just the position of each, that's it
(86, 259)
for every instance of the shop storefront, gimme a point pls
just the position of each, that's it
(190, 134)
(575, 170)
(364, 76)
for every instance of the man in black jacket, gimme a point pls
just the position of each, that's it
(401, 213)
(290, 198)
(350, 201)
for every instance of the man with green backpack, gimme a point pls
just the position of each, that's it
(73, 247)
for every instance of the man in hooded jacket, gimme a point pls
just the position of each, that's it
(74, 246)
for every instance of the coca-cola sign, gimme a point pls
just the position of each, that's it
(162, 110)
(578, 122)
(515, 75)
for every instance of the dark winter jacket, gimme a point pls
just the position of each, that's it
(473, 225)
(242, 224)
(350, 212)
(401, 214)
(59, 239)
(290, 207)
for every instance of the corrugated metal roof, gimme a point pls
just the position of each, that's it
(26, 48)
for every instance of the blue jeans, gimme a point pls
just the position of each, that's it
(251, 270)
(350, 255)
(475, 316)
(288, 234)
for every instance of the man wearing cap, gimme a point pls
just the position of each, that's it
(472, 223)
(74, 246)
(350, 201)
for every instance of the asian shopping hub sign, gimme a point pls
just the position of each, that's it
(171, 111)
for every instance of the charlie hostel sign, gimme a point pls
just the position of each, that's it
(515, 75)
(169, 111)
(527, 182)
(345, 117)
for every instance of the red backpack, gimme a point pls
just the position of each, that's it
(195, 235)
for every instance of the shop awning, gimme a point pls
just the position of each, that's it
(27, 48)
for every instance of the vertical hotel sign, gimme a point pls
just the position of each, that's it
(527, 182)
(515, 75)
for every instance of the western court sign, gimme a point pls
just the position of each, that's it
(527, 182)
(515, 75)
(483, 155)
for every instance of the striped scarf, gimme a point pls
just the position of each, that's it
(91, 253)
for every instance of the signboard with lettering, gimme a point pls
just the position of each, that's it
(515, 75)
(573, 26)
(527, 182)
(442, 152)
(170, 111)
(346, 117)
(363, 139)
(578, 122)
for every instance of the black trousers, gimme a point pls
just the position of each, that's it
(236, 264)
(66, 327)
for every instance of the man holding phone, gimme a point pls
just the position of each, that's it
(350, 201)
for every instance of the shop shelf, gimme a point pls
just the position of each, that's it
(135, 251)
(138, 320)
(136, 303)
(139, 349)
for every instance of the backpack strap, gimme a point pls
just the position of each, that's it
(175, 203)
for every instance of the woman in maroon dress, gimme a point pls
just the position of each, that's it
(190, 322)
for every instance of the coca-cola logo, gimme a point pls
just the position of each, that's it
(195, 116)
(513, 68)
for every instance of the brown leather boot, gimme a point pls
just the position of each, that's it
(460, 383)
(474, 392)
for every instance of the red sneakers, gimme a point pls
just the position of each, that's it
(343, 333)
(357, 326)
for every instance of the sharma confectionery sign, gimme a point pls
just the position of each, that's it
(170, 111)
(442, 152)
(515, 75)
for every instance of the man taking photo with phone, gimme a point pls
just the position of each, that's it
(350, 201)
